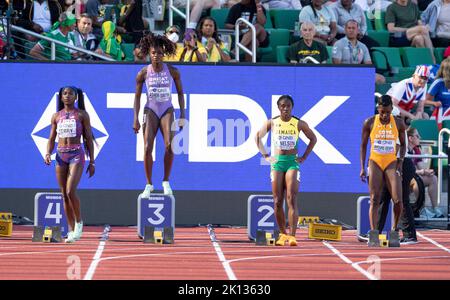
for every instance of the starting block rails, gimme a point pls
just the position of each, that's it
(47, 234)
(380, 240)
(305, 220)
(6, 224)
(260, 215)
(266, 238)
(158, 235)
(320, 231)
(49, 211)
(157, 212)
(362, 218)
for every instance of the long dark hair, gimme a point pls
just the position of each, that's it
(78, 92)
(157, 41)
(200, 25)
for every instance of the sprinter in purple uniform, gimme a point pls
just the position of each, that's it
(158, 111)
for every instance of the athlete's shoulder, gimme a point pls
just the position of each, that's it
(400, 123)
(296, 118)
(369, 121)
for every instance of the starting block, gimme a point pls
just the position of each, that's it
(379, 240)
(266, 238)
(325, 231)
(304, 220)
(6, 224)
(48, 234)
(158, 235)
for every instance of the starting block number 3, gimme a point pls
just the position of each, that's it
(156, 211)
(49, 211)
(260, 215)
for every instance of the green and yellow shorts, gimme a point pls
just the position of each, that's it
(285, 163)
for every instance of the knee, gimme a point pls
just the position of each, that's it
(290, 199)
(148, 148)
(168, 147)
(418, 40)
(70, 194)
(375, 199)
(278, 203)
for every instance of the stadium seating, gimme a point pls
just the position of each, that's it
(416, 56)
(285, 18)
(282, 53)
(385, 58)
(128, 48)
(382, 37)
(220, 15)
(439, 54)
(278, 37)
(379, 20)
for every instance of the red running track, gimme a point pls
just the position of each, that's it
(194, 256)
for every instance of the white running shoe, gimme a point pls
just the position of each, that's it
(78, 231)
(70, 237)
(438, 212)
(148, 189)
(167, 188)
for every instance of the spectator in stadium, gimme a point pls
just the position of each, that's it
(193, 50)
(96, 9)
(158, 111)
(60, 31)
(255, 13)
(308, 47)
(349, 50)
(39, 16)
(438, 93)
(110, 44)
(437, 17)
(208, 37)
(68, 124)
(347, 10)
(282, 4)
(409, 94)
(285, 173)
(173, 34)
(324, 19)
(131, 19)
(427, 175)
(385, 168)
(82, 37)
(198, 6)
(402, 21)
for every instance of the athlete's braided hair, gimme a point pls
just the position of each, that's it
(384, 100)
(288, 97)
(157, 41)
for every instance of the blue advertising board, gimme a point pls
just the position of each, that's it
(49, 211)
(225, 106)
(157, 211)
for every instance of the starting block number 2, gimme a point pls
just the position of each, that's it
(260, 215)
(157, 211)
(49, 211)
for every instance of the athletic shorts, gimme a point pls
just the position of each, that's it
(285, 163)
(70, 155)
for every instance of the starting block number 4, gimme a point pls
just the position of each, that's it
(156, 211)
(260, 215)
(49, 211)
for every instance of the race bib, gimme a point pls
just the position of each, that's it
(384, 146)
(161, 94)
(67, 128)
(285, 142)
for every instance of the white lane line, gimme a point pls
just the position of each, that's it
(219, 252)
(95, 261)
(433, 242)
(348, 261)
